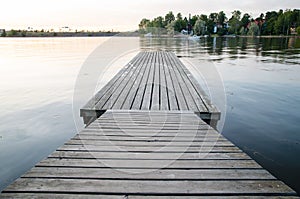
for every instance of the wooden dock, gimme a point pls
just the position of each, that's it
(155, 80)
(158, 154)
(148, 145)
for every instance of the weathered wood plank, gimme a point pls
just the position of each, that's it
(183, 87)
(146, 143)
(146, 100)
(155, 95)
(148, 156)
(165, 174)
(149, 139)
(116, 91)
(124, 196)
(193, 94)
(128, 89)
(151, 187)
(136, 85)
(150, 164)
(97, 97)
(207, 103)
(150, 148)
(164, 102)
(177, 90)
(137, 103)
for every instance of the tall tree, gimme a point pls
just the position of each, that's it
(169, 18)
(245, 20)
(213, 17)
(199, 28)
(194, 19)
(236, 14)
(221, 17)
(253, 29)
(234, 22)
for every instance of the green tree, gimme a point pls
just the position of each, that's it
(23, 33)
(169, 18)
(236, 14)
(194, 19)
(234, 22)
(245, 20)
(3, 33)
(298, 30)
(170, 28)
(179, 16)
(143, 25)
(213, 17)
(270, 19)
(180, 24)
(199, 28)
(13, 32)
(159, 22)
(234, 25)
(211, 22)
(204, 18)
(253, 29)
(221, 17)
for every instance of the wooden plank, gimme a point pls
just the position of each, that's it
(162, 133)
(43, 195)
(172, 98)
(182, 86)
(150, 138)
(112, 85)
(148, 156)
(115, 92)
(146, 100)
(164, 102)
(97, 97)
(150, 149)
(122, 95)
(194, 96)
(146, 143)
(151, 187)
(150, 164)
(126, 135)
(155, 97)
(197, 87)
(177, 90)
(132, 92)
(124, 196)
(165, 174)
(137, 104)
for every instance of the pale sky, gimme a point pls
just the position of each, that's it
(119, 15)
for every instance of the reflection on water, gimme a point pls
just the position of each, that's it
(273, 50)
(261, 79)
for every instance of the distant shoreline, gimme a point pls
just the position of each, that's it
(23, 34)
(31, 34)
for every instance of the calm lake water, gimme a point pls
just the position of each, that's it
(261, 78)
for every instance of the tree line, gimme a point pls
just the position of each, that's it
(271, 23)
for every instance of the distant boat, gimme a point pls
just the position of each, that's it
(148, 34)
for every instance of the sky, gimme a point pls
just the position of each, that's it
(119, 15)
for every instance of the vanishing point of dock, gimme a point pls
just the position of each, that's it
(148, 136)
